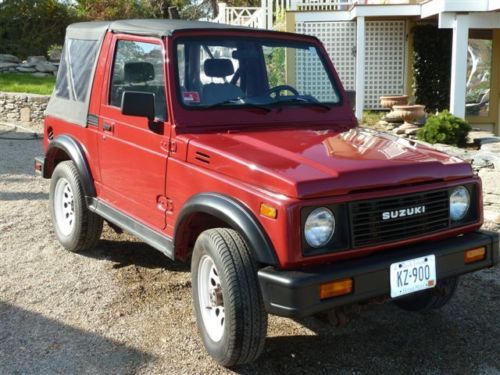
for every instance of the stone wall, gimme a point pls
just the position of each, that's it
(26, 109)
(37, 66)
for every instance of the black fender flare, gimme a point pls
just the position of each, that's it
(237, 216)
(76, 153)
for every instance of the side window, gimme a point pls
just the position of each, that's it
(75, 70)
(138, 66)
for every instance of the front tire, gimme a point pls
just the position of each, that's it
(76, 228)
(430, 299)
(229, 308)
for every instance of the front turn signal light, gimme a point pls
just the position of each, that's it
(474, 255)
(335, 288)
(268, 211)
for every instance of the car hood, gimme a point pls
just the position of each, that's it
(305, 163)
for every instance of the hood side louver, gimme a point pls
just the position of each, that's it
(204, 158)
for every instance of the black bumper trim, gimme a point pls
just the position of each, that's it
(295, 293)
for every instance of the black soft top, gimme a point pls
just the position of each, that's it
(152, 27)
(71, 96)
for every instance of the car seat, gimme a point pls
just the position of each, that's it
(214, 93)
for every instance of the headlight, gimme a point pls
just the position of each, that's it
(319, 227)
(459, 203)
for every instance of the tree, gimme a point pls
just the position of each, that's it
(431, 66)
(126, 9)
(29, 27)
(98, 10)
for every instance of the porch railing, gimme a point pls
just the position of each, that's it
(262, 17)
(242, 16)
(315, 5)
(312, 5)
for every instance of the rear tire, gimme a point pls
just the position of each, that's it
(229, 308)
(430, 299)
(76, 228)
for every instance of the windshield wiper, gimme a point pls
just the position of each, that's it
(314, 102)
(241, 102)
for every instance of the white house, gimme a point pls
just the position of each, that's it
(370, 44)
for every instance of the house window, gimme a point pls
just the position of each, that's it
(479, 73)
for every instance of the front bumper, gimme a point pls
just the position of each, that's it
(295, 293)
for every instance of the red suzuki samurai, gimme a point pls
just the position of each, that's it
(237, 150)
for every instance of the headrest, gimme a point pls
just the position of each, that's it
(219, 68)
(138, 72)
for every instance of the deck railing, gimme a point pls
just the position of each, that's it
(242, 16)
(312, 5)
(262, 17)
(315, 5)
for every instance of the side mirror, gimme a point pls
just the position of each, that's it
(141, 104)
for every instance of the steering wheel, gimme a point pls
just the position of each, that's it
(278, 89)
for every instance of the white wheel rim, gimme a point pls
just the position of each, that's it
(64, 207)
(210, 298)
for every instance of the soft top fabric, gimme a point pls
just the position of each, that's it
(155, 27)
(87, 30)
(219, 68)
(76, 111)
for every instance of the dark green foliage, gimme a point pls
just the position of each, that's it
(29, 27)
(275, 62)
(432, 66)
(91, 10)
(445, 128)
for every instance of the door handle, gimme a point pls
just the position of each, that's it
(107, 127)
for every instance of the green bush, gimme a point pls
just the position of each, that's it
(445, 128)
(29, 27)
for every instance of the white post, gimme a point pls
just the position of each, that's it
(360, 67)
(269, 13)
(262, 18)
(459, 64)
(222, 13)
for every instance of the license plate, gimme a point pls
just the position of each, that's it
(413, 275)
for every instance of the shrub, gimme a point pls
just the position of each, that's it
(28, 27)
(445, 128)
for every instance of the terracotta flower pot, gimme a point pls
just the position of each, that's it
(390, 100)
(409, 112)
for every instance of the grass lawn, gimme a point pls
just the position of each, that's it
(26, 83)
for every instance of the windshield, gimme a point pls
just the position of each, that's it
(232, 72)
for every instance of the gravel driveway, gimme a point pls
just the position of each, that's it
(125, 308)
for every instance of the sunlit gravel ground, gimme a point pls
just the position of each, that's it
(124, 308)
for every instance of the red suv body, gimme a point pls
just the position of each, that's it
(170, 130)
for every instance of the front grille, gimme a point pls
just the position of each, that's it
(369, 229)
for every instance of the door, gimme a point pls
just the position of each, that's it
(132, 152)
